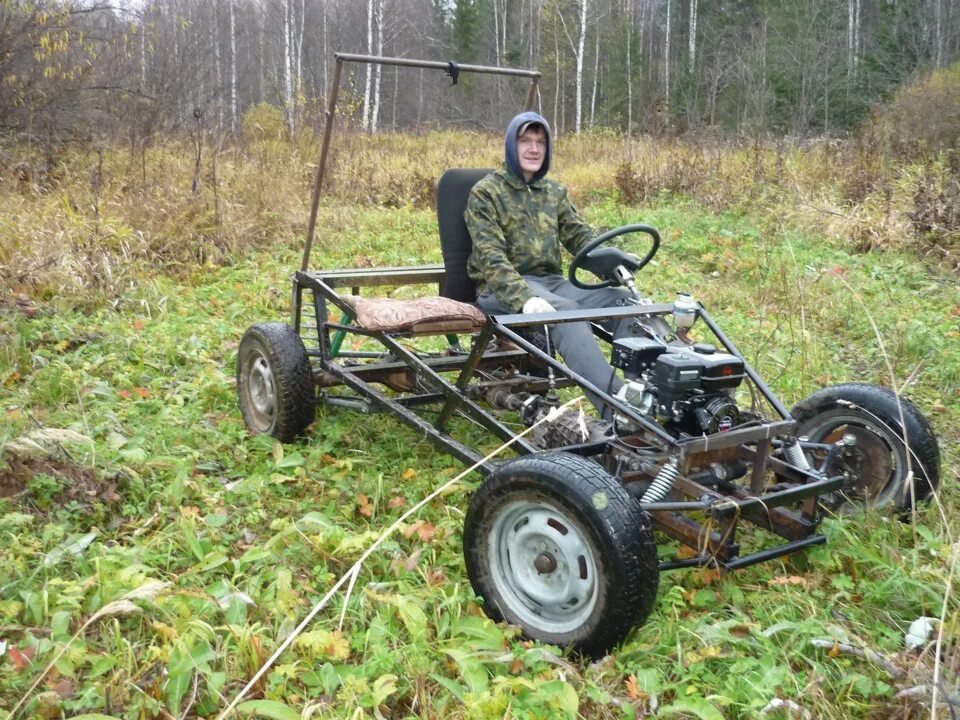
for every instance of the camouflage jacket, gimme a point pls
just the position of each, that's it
(517, 229)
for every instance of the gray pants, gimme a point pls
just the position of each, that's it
(574, 341)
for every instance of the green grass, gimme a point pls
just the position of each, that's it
(250, 534)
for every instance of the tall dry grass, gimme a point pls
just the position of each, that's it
(90, 219)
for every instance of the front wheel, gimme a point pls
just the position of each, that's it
(275, 382)
(554, 544)
(894, 461)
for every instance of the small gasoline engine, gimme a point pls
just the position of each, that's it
(687, 389)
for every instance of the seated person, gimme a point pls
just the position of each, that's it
(518, 219)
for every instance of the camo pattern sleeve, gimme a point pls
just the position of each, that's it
(515, 231)
(574, 231)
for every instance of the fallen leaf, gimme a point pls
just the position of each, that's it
(20, 658)
(63, 687)
(834, 651)
(426, 531)
(409, 474)
(397, 501)
(125, 394)
(709, 576)
(436, 577)
(167, 632)
(711, 652)
(327, 459)
(938, 407)
(789, 580)
(138, 324)
(338, 648)
(414, 558)
(142, 392)
(363, 505)
(685, 552)
(633, 688)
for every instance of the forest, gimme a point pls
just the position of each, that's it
(158, 159)
(92, 71)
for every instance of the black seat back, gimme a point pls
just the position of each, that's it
(453, 190)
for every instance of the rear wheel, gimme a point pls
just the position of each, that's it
(275, 382)
(894, 461)
(557, 546)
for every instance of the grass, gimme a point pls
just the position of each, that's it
(157, 480)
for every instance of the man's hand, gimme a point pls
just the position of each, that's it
(536, 305)
(602, 260)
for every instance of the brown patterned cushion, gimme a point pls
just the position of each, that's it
(429, 314)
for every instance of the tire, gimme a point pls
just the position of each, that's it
(880, 462)
(275, 382)
(539, 516)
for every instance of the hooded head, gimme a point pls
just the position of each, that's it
(518, 125)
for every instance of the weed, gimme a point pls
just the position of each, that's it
(252, 535)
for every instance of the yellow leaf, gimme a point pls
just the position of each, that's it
(409, 474)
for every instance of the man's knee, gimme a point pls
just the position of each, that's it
(561, 303)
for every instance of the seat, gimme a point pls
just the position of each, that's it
(453, 190)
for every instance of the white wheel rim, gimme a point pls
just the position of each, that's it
(871, 440)
(262, 390)
(543, 565)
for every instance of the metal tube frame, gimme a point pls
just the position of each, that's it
(431, 388)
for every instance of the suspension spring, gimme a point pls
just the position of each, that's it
(795, 456)
(662, 483)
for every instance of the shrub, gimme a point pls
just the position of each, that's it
(924, 117)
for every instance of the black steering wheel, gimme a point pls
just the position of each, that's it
(579, 258)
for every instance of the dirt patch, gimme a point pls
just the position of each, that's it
(76, 483)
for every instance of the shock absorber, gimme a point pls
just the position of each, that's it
(794, 455)
(662, 483)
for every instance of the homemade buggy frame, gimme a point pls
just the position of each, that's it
(560, 539)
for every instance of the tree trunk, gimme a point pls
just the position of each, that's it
(298, 57)
(596, 72)
(366, 90)
(583, 36)
(218, 72)
(287, 65)
(556, 74)
(375, 113)
(692, 54)
(233, 68)
(323, 34)
(629, 71)
(666, 57)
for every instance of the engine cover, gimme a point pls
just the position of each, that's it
(718, 414)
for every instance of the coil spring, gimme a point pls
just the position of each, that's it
(795, 456)
(662, 483)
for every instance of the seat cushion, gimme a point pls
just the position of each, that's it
(423, 315)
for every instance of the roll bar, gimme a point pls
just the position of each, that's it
(451, 68)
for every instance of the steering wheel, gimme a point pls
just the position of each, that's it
(579, 258)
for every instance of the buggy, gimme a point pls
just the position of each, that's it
(560, 539)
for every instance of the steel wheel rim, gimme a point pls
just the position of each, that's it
(544, 567)
(261, 391)
(873, 444)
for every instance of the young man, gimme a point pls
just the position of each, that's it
(518, 219)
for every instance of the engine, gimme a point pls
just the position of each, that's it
(687, 389)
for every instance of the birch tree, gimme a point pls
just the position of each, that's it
(287, 63)
(692, 49)
(233, 66)
(378, 69)
(579, 54)
(366, 90)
